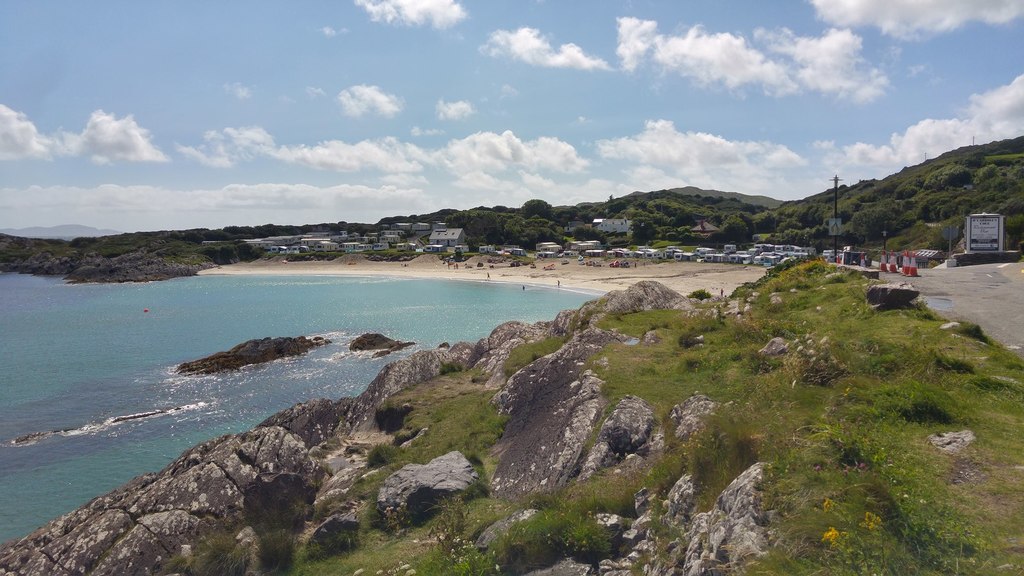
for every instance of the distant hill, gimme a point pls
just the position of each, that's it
(913, 205)
(745, 198)
(63, 232)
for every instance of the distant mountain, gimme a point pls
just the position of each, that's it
(63, 232)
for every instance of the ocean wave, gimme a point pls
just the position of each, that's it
(96, 427)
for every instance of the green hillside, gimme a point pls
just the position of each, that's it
(913, 205)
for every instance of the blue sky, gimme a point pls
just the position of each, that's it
(166, 115)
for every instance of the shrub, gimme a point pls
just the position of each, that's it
(220, 555)
(719, 453)
(277, 550)
(549, 536)
(972, 330)
(450, 368)
(700, 294)
(382, 455)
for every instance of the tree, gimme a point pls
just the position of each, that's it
(643, 230)
(536, 207)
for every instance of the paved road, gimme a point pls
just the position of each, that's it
(990, 295)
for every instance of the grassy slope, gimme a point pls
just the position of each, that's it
(857, 487)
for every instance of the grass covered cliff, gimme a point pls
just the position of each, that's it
(811, 456)
(841, 421)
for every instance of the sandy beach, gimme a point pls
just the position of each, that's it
(684, 277)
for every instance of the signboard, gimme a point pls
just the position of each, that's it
(984, 233)
(835, 226)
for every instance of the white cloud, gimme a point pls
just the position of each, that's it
(527, 45)
(635, 38)
(417, 131)
(360, 100)
(831, 64)
(907, 18)
(508, 91)
(238, 90)
(438, 13)
(328, 32)
(227, 148)
(459, 110)
(160, 208)
(662, 153)
(488, 152)
(19, 138)
(993, 115)
(108, 139)
(313, 92)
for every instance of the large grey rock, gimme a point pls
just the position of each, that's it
(566, 567)
(681, 502)
(392, 379)
(645, 295)
(499, 528)
(627, 430)
(733, 531)
(252, 352)
(333, 532)
(775, 347)
(417, 487)
(690, 416)
(494, 350)
(137, 527)
(892, 295)
(313, 421)
(952, 442)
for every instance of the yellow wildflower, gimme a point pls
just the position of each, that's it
(828, 505)
(871, 521)
(831, 536)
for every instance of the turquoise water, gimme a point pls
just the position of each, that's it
(73, 358)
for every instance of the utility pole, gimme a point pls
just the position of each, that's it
(835, 215)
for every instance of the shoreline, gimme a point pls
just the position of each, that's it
(683, 277)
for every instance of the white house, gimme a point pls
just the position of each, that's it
(421, 227)
(448, 237)
(325, 246)
(613, 225)
(487, 249)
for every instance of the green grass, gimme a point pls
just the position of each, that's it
(842, 423)
(524, 354)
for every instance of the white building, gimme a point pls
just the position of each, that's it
(613, 225)
(448, 237)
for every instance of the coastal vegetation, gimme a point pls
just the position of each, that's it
(842, 422)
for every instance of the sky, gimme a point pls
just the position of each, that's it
(162, 115)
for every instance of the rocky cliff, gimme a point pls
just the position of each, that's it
(131, 267)
(293, 460)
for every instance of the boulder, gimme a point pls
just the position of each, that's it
(252, 352)
(566, 567)
(681, 502)
(690, 416)
(499, 528)
(313, 421)
(627, 430)
(378, 342)
(952, 442)
(392, 379)
(337, 532)
(891, 295)
(644, 295)
(733, 531)
(136, 528)
(775, 347)
(417, 487)
(492, 351)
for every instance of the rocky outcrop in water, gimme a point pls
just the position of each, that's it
(252, 352)
(379, 343)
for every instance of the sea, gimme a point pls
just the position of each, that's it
(75, 360)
